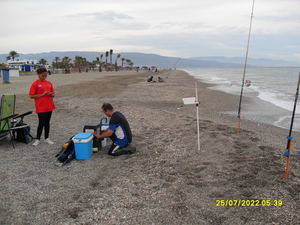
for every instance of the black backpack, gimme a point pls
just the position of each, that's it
(23, 134)
(67, 153)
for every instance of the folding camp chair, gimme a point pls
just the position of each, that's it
(8, 119)
(7, 112)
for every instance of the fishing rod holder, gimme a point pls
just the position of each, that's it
(290, 138)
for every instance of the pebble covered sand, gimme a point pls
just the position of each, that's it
(167, 181)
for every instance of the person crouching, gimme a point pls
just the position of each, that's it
(118, 131)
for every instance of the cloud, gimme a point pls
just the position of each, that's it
(98, 22)
(185, 44)
(105, 15)
(182, 28)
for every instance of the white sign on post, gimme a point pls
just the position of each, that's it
(194, 101)
(189, 101)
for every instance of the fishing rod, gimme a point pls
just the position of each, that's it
(245, 69)
(197, 116)
(174, 66)
(290, 138)
(176, 63)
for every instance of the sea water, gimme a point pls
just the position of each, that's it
(274, 85)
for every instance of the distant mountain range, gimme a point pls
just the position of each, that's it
(141, 59)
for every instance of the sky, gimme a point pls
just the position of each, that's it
(179, 28)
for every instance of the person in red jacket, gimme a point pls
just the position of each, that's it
(42, 91)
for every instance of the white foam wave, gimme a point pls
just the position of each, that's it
(278, 99)
(209, 78)
(284, 122)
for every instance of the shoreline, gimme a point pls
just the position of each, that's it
(167, 181)
(252, 104)
(226, 111)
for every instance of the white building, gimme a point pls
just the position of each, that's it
(19, 64)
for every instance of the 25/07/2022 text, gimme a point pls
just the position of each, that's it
(244, 203)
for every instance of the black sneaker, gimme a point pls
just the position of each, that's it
(130, 149)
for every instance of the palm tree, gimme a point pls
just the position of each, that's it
(106, 55)
(43, 61)
(85, 63)
(13, 55)
(110, 54)
(2, 66)
(118, 56)
(128, 61)
(80, 62)
(94, 63)
(55, 64)
(100, 64)
(116, 62)
(56, 59)
(65, 62)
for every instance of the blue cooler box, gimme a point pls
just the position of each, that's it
(83, 143)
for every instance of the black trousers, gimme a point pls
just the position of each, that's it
(116, 150)
(44, 123)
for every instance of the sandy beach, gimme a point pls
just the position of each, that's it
(167, 181)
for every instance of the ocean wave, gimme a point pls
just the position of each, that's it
(279, 99)
(285, 121)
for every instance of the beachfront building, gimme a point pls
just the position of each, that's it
(25, 65)
(22, 65)
(145, 68)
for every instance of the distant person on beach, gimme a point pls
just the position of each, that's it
(149, 78)
(118, 131)
(42, 91)
(160, 79)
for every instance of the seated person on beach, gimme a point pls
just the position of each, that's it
(160, 79)
(118, 131)
(149, 78)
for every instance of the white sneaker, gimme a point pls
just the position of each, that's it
(49, 141)
(36, 142)
(59, 164)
